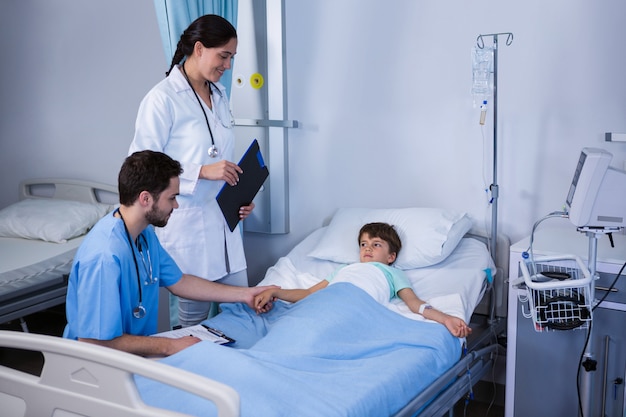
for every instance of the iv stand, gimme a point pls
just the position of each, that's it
(494, 186)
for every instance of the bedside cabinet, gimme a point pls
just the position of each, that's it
(542, 367)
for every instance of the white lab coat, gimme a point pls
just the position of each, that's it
(170, 120)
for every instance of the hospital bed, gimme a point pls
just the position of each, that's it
(336, 352)
(38, 238)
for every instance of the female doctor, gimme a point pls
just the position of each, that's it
(187, 116)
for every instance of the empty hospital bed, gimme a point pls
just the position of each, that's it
(38, 238)
(336, 352)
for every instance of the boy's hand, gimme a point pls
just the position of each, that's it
(457, 327)
(263, 301)
(254, 292)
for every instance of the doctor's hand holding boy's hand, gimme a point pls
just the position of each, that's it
(253, 294)
(263, 302)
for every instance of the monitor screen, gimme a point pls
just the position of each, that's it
(572, 188)
(596, 194)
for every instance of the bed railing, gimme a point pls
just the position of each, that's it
(93, 380)
(69, 189)
(441, 396)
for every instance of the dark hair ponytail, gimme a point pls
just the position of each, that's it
(211, 30)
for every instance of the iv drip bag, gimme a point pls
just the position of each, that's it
(482, 67)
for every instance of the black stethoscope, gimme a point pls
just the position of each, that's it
(139, 311)
(213, 149)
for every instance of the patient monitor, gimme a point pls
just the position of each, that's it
(597, 195)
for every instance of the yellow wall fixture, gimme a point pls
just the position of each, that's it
(256, 80)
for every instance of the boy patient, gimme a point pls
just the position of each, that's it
(379, 245)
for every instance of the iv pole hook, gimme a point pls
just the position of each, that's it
(481, 43)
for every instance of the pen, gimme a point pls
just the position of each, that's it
(214, 331)
(219, 334)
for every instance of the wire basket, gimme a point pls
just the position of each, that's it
(558, 292)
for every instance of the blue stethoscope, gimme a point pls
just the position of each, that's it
(139, 311)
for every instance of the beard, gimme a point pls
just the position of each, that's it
(156, 217)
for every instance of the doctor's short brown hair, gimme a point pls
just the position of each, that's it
(146, 171)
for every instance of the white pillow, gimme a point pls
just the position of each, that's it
(428, 235)
(50, 219)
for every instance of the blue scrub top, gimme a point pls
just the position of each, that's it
(102, 289)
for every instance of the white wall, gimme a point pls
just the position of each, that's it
(71, 79)
(382, 94)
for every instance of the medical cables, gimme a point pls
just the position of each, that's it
(528, 254)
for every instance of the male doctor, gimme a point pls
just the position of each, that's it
(113, 290)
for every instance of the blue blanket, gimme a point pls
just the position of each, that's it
(335, 353)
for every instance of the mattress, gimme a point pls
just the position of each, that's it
(27, 266)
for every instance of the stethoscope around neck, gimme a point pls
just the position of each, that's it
(213, 149)
(139, 311)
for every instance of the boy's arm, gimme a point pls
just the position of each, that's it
(455, 325)
(263, 300)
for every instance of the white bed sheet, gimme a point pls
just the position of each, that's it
(454, 286)
(26, 264)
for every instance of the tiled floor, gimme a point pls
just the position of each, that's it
(52, 322)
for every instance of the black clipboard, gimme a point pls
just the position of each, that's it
(232, 197)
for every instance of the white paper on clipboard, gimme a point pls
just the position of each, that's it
(201, 332)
